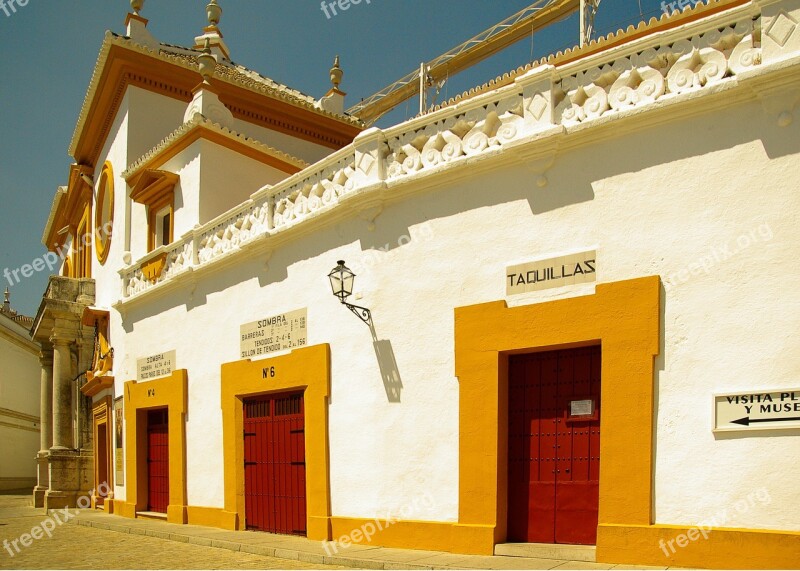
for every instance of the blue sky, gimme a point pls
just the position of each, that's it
(48, 50)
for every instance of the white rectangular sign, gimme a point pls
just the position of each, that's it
(581, 407)
(553, 272)
(757, 410)
(276, 333)
(155, 366)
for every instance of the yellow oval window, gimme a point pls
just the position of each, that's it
(104, 213)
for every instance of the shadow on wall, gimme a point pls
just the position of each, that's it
(392, 383)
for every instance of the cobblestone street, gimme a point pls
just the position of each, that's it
(78, 547)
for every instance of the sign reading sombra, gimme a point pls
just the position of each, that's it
(275, 333)
(155, 366)
(553, 272)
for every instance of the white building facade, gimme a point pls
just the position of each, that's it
(579, 283)
(19, 400)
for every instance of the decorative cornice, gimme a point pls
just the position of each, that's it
(652, 26)
(14, 333)
(198, 122)
(186, 59)
(7, 412)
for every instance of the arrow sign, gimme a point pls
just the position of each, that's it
(747, 420)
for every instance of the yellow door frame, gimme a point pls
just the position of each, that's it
(306, 369)
(170, 392)
(623, 317)
(101, 414)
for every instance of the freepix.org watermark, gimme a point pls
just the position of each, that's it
(9, 7)
(719, 254)
(705, 527)
(678, 5)
(329, 8)
(365, 532)
(50, 523)
(53, 260)
(373, 256)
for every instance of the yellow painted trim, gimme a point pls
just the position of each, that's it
(124, 509)
(152, 214)
(82, 245)
(153, 267)
(273, 158)
(211, 517)
(409, 534)
(66, 271)
(623, 317)
(170, 392)
(105, 191)
(309, 369)
(101, 414)
(718, 548)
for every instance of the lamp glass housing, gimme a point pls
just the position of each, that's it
(341, 281)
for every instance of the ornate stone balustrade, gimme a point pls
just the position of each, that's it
(631, 74)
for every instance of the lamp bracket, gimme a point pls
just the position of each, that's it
(362, 313)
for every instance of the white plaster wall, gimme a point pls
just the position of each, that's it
(306, 150)
(152, 117)
(650, 203)
(20, 376)
(115, 150)
(228, 179)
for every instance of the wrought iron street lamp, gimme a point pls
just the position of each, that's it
(342, 285)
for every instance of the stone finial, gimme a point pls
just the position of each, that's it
(336, 73)
(333, 101)
(6, 298)
(212, 32)
(214, 13)
(207, 62)
(205, 101)
(137, 27)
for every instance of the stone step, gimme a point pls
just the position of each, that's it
(152, 515)
(547, 551)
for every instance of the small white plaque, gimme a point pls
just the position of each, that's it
(757, 410)
(581, 407)
(155, 366)
(276, 333)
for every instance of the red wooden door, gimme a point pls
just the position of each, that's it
(554, 456)
(274, 464)
(157, 461)
(101, 446)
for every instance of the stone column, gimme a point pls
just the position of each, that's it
(84, 403)
(62, 393)
(45, 428)
(46, 402)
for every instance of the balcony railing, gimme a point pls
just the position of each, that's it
(642, 67)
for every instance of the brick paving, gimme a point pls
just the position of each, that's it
(78, 547)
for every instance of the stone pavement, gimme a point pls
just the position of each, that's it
(77, 547)
(95, 540)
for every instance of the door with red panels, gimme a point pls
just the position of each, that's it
(157, 460)
(554, 446)
(274, 464)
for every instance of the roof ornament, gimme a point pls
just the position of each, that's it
(336, 73)
(205, 101)
(207, 62)
(213, 12)
(333, 101)
(6, 308)
(212, 32)
(136, 27)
